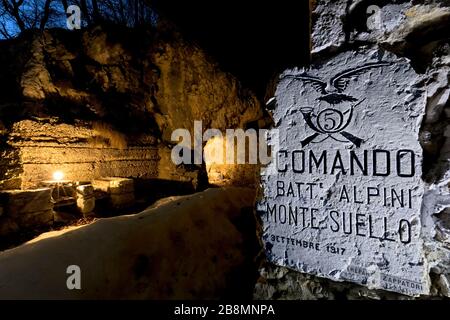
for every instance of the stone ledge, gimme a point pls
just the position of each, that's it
(19, 202)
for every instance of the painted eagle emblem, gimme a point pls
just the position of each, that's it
(332, 91)
(332, 121)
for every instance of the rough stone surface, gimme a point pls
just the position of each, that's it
(86, 206)
(150, 255)
(23, 201)
(120, 190)
(279, 283)
(85, 190)
(191, 87)
(25, 209)
(8, 226)
(36, 219)
(438, 93)
(221, 173)
(380, 111)
(168, 171)
(114, 185)
(128, 93)
(328, 26)
(417, 30)
(85, 198)
(82, 151)
(423, 23)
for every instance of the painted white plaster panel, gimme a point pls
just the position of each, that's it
(304, 210)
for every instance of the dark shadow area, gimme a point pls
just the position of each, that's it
(147, 191)
(242, 280)
(251, 39)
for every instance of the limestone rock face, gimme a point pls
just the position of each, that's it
(85, 198)
(81, 151)
(280, 283)
(192, 88)
(25, 209)
(190, 247)
(104, 102)
(114, 185)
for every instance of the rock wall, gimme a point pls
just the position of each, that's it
(417, 30)
(105, 102)
(82, 153)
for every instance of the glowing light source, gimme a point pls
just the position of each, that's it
(58, 175)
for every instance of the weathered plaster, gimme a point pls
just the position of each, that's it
(389, 108)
